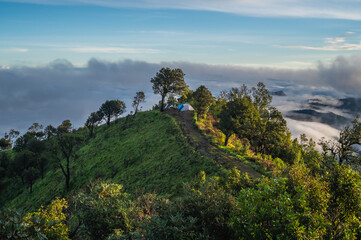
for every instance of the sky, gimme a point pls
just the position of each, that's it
(292, 33)
(60, 59)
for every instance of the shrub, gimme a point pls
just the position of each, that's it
(50, 220)
(106, 211)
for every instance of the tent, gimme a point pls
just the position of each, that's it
(169, 105)
(185, 107)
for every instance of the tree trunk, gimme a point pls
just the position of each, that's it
(226, 140)
(108, 121)
(67, 177)
(162, 104)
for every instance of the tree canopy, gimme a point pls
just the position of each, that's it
(202, 100)
(111, 109)
(168, 81)
(139, 97)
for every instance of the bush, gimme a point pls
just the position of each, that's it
(106, 211)
(12, 226)
(50, 220)
(202, 213)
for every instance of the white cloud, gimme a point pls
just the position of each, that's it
(275, 8)
(17, 50)
(333, 47)
(335, 40)
(313, 130)
(112, 50)
(4, 67)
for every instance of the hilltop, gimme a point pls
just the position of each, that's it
(148, 153)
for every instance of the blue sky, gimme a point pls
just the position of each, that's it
(282, 34)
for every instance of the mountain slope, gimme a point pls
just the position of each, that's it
(204, 147)
(146, 153)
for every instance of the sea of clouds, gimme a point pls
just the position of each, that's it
(58, 91)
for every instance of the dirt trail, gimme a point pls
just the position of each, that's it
(204, 147)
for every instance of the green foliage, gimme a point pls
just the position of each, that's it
(13, 226)
(151, 154)
(343, 148)
(248, 114)
(345, 204)
(6, 142)
(4, 164)
(201, 213)
(63, 147)
(93, 120)
(139, 97)
(111, 109)
(106, 210)
(202, 100)
(168, 81)
(50, 220)
(265, 212)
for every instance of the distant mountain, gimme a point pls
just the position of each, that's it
(278, 93)
(352, 105)
(311, 115)
(349, 105)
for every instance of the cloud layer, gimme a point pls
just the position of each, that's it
(335, 9)
(62, 91)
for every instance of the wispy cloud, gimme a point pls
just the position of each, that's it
(4, 67)
(335, 40)
(16, 50)
(276, 8)
(112, 50)
(333, 44)
(344, 47)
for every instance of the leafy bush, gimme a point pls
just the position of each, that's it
(107, 211)
(202, 213)
(50, 220)
(12, 226)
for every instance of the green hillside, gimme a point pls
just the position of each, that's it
(147, 153)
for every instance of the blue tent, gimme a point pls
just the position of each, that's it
(180, 106)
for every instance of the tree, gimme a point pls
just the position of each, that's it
(261, 97)
(248, 114)
(6, 142)
(105, 209)
(4, 164)
(344, 148)
(345, 203)
(168, 81)
(111, 108)
(64, 127)
(22, 161)
(202, 100)
(30, 175)
(63, 146)
(139, 97)
(226, 123)
(36, 130)
(50, 131)
(93, 120)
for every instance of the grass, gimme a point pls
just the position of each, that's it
(238, 148)
(147, 153)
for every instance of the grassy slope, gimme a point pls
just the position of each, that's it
(151, 154)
